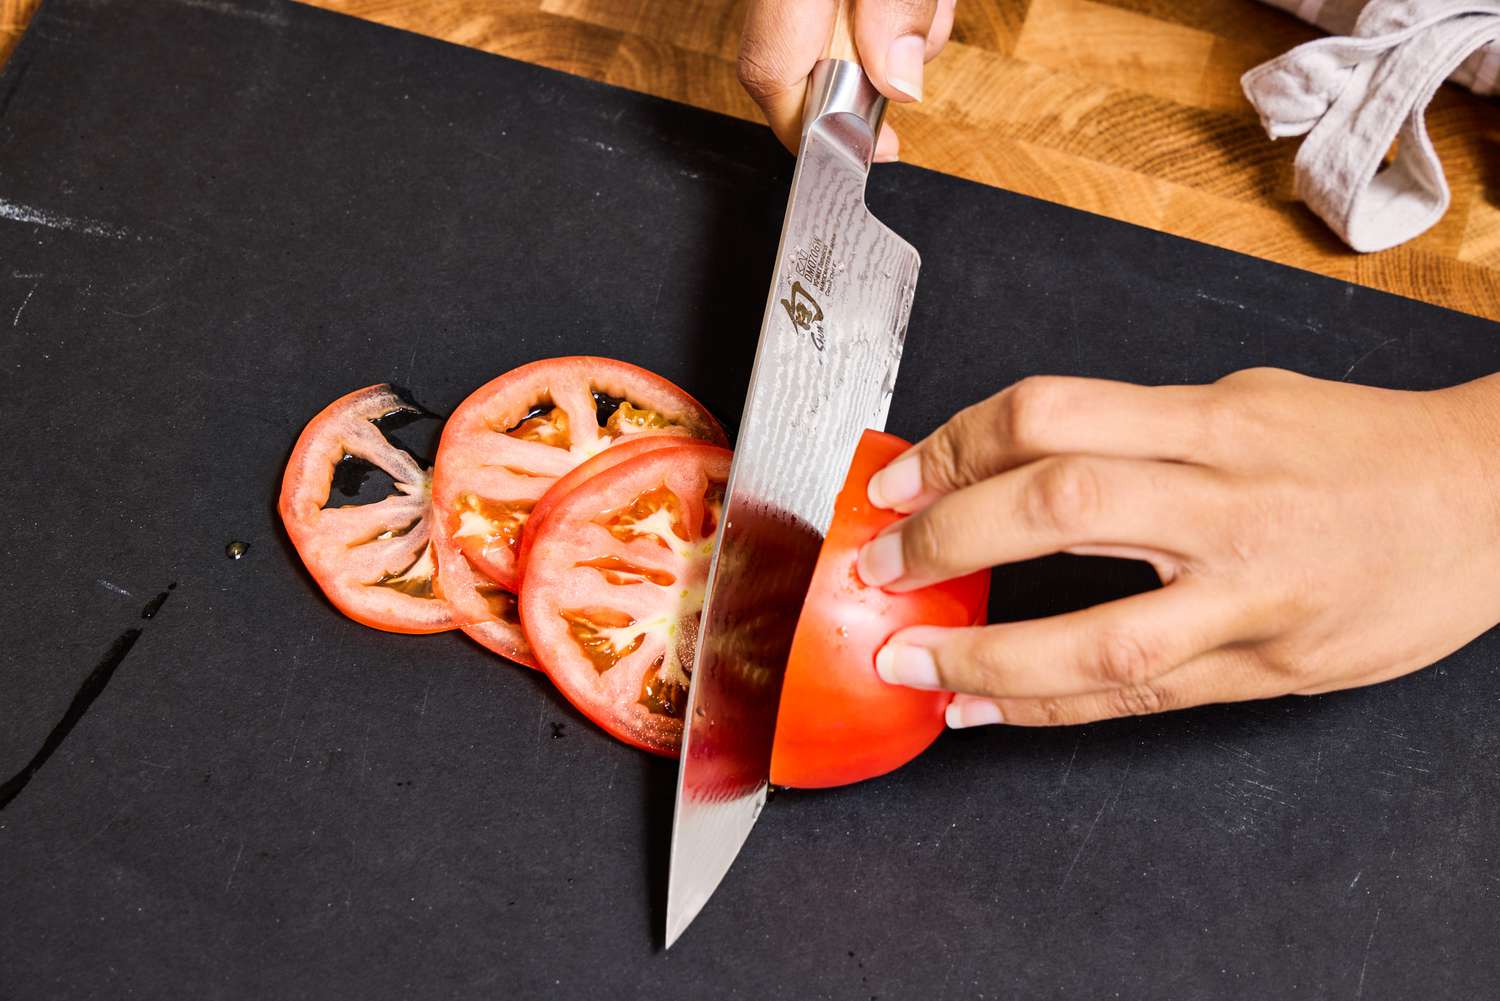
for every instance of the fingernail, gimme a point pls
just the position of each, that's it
(912, 666)
(903, 65)
(897, 483)
(975, 712)
(887, 147)
(880, 561)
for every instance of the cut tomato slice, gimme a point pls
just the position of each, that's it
(565, 484)
(503, 633)
(507, 443)
(374, 561)
(490, 615)
(614, 587)
(838, 722)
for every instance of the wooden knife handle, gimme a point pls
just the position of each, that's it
(841, 44)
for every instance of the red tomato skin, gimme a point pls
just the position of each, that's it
(839, 722)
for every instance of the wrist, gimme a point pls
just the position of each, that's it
(1468, 421)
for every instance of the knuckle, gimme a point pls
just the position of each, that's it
(1054, 712)
(917, 12)
(925, 543)
(902, 14)
(1260, 375)
(1064, 497)
(759, 77)
(944, 460)
(1125, 659)
(1263, 385)
(1219, 425)
(985, 666)
(1031, 409)
(1138, 700)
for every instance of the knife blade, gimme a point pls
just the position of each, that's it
(825, 367)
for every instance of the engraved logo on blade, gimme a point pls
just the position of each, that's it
(806, 314)
(817, 265)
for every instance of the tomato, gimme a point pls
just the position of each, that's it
(565, 484)
(373, 561)
(614, 586)
(838, 722)
(489, 614)
(502, 634)
(507, 443)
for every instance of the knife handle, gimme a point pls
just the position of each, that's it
(841, 43)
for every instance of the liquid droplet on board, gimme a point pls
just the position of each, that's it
(235, 550)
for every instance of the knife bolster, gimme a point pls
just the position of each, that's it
(840, 87)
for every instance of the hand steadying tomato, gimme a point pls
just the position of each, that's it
(839, 723)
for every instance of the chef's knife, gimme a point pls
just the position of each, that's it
(830, 343)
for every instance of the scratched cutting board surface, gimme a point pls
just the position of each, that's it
(215, 217)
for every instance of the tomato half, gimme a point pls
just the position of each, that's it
(614, 587)
(507, 443)
(838, 722)
(373, 561)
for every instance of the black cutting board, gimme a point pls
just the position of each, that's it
(215, 217)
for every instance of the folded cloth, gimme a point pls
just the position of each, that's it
(1354, 95)
(1480, 72)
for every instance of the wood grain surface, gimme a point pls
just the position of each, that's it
(1128, 108)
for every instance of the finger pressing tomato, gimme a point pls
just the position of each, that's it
(1311, 536)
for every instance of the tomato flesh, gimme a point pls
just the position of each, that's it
(627, 448)
(838, 722)
(373, 561)
(503, 633)
(615, 583)
(516, 435)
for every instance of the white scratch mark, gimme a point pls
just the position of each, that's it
(55, 220)
(273, 18)
(296, 740)
(1069, 770)
(1355, 880)
(285, 699)
(1360, 992)
(1097, 817)
(136, 316)
(111, 587)
(1219, 300)
(604, 146)
(541, 717)
(364, 754)
(21, 308)
(1358, 361)
(234, 868)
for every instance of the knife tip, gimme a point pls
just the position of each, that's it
(676, 924)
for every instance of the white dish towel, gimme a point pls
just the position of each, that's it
(1355, 94)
